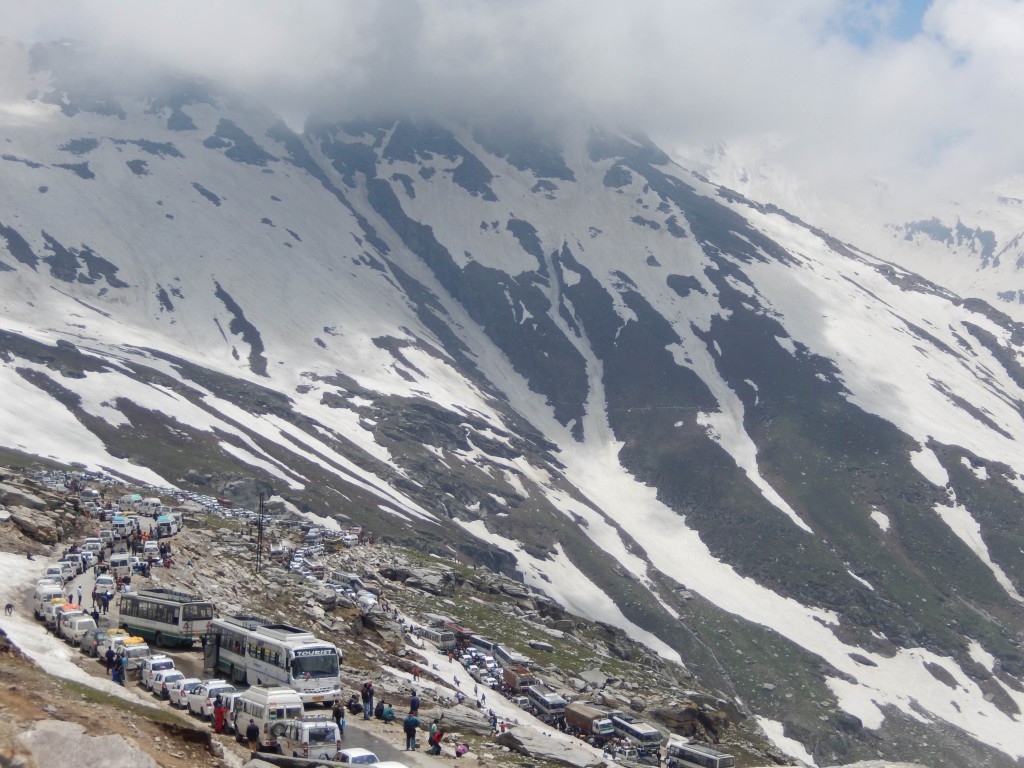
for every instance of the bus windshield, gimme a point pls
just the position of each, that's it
(315, 662)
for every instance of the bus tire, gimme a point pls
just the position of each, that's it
(159, 639)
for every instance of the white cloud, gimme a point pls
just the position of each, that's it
(816, 87)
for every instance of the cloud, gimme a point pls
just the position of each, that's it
(837, 94)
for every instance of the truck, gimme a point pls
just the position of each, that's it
(587, 721)
(518, 678)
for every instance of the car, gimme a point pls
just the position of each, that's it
(149, 667)
(200, 699)
(163, 680)
(229, 717)
(357, 756)
(114, 638)
(105, 583)
(178, 691)
(312, 738)
(90, 641)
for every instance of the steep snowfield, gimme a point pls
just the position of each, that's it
(263, 268)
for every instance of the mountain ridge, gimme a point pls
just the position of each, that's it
(619, 383)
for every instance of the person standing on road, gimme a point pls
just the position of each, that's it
(109, 656)
(79, 594)
(252, 735)
(409, 725)
(367, 694)
(338, 713)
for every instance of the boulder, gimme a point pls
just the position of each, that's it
(15, 496)
(436, 582)
(109, 751)
(530, 743)
(458, 718)
(594, 677)
(41, 526)
(391, 632)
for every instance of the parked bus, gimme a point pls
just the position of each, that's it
(646, 737)
(166, 617)
(442, 638)
(508, 657)
(227, 645)
(549, 706)
(276, 654)
(693, 755)
(483, 643)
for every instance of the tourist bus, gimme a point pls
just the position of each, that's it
(693, 755)
(509, 657)
(646, 737)
(165, 617)
(276, 654)
(442, 638)
(227, 645)
(549, 706)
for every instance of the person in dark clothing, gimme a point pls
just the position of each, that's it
(378, 711)
(367, 696)
(109, 656)
(338, 712)
(409, 725)
(252, 735)
(414, 703)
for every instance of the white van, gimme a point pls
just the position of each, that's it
(120, 565)
(266, 706)
(51, 609)
(43, 595)
(135, 650)
(107, 536)
(313, 738)
(74, 627)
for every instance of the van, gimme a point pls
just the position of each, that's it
(107, 536)
(50, 611)
(135, 650)
(75, 628)
(57, 572)
(43, 595)
(64, 614)
(266, 706)
(120, 565)
(314, 738)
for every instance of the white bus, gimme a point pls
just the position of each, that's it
(483, 643)
(693, 755)
(508, 657)
(549, 706)
(165, 617)
(646, 737)
(276, 654)
(442, 638)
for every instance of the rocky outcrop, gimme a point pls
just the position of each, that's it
(40, 525)
(110, 751)
(457, 718)
(15, 496)
(538, 746)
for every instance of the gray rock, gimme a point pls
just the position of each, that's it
(528, 742)
(89, 751)
(15, 496)
(458, 718)
(594, 677)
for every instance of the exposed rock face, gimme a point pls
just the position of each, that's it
(15, 496)
(390, 631)
(89, 751)
(540, 747)
(457, 718)
(40, 525)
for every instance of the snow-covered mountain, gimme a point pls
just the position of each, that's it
(792, 466)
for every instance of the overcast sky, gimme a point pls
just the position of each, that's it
(921, 98)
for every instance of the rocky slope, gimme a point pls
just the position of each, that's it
(764, 453)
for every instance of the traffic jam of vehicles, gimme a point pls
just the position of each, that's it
(269, 672)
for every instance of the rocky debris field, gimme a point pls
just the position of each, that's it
(214, 556)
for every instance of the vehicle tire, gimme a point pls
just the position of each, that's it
(159, 640)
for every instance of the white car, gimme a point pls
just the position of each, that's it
(178, 691)
(151, 666)
(162, 682)
(200, 698)
(357, 756)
